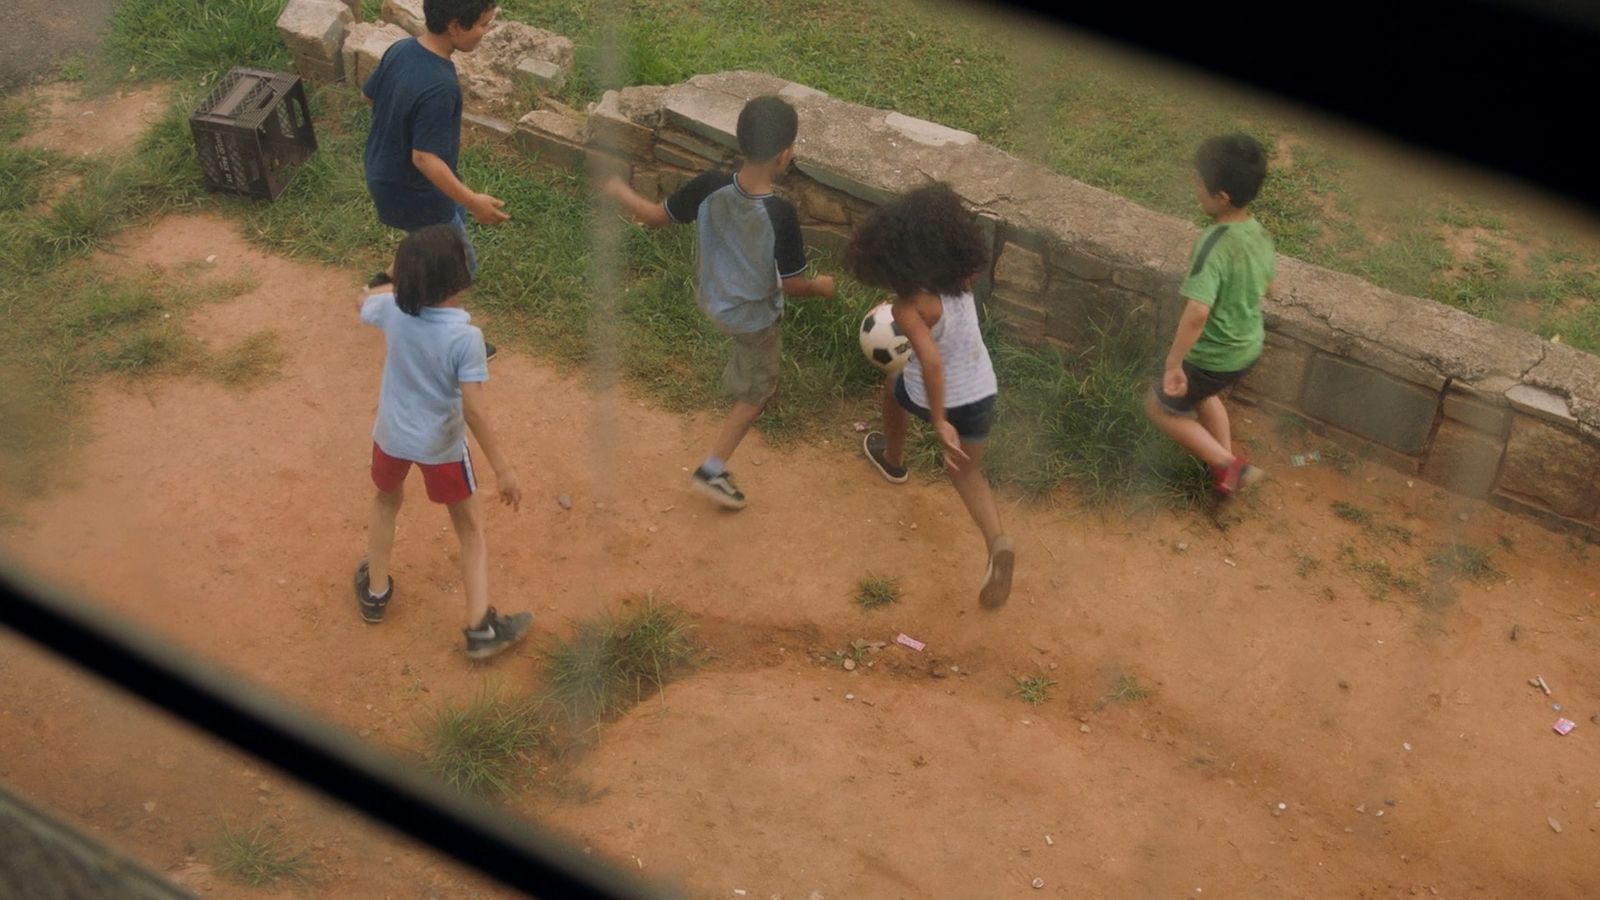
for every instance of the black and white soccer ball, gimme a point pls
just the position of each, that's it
(881, 340)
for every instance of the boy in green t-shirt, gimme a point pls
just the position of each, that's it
(1220, 334)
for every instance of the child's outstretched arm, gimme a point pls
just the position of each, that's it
(637, 208)
(801, 286)
(475, 406)
(1173, 381)
(916, 330)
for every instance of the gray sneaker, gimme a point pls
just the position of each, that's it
(495, 633)
(719, 488)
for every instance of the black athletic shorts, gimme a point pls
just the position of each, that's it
(1203, 383)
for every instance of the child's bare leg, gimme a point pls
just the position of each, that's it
(734, 428)
(1213, 417)
(380, 537)
(976, 495)
(895, 420)
(1190, 434)
(467, 517)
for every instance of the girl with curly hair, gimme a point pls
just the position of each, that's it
(927, 248)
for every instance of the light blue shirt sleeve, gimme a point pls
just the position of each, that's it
(472, 364)
(376, 307)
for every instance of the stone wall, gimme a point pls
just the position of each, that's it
(1485, 410)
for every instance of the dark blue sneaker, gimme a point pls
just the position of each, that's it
(372, 608)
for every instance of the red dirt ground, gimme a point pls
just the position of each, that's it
(228, 521)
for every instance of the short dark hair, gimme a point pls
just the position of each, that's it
(925, 240)
(440, 13)
(429, 268)
(767, 127)
(1234, 163)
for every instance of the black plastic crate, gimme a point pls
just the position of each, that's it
(252, 131)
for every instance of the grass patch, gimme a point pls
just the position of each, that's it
(194, 39)
(1465, 560)
(1078, 420)
(1126, 689)
(876, 590)
(1378, 575)
(253, 360)
(482, 747)
(1034, 689)
(1352, 513)
(608, 665)
(257, 856)
(1305, 565)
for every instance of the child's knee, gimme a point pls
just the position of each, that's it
(466, 515)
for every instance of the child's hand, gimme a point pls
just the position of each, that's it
(510, 490)
(951, 441)
(486, 209)
(1174, 383)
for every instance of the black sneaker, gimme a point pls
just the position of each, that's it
(876, 446)
(719, 488)
(379, 280)
(488, 351)
(496, 633)
(371, 607)
(997, 580)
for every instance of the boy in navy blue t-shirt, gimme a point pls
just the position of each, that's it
(415, 141)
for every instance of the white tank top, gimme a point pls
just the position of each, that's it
(968, 372)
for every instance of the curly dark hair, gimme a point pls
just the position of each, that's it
(926, 240)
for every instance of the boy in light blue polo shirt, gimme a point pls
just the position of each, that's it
(432, 392)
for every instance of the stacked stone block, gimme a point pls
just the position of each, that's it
(314, 33)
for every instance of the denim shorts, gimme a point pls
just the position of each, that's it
(972, 421)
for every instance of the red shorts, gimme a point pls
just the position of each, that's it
(450, 482)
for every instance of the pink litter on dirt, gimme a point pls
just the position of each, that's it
(911, 642)
(1565, 726)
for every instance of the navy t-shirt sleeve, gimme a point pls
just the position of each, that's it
(369, 88)
(788, 246)
(436, 128)
(684, 205)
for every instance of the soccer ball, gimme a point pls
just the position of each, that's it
(882, 342)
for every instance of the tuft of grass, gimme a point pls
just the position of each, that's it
(1457, 558)
(1352, 513)
(1034, 689)
(257, 856)
(1305, 565)
(609, 665)
(482, 746)
(1378, 575)
(876, 590)
(1126, 689)
(253, 360)
(1078, 420)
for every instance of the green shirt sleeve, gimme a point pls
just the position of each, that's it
(1204, 283)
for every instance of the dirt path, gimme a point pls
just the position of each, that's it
(229, 522)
